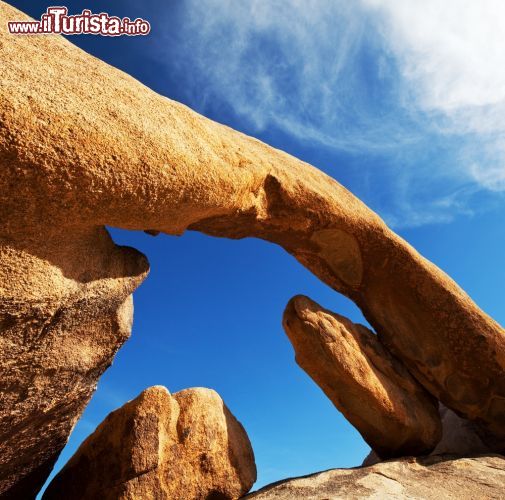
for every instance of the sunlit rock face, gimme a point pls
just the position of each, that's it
(82, 146)
(443, 476)
(186, 445)
(375, 392)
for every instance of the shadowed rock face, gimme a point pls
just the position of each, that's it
(375, 392)
(444, 477)
(187, 445)
(61, 325)
(83, 145)
(460, 437)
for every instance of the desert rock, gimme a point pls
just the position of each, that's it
(82, 146)
(184, 446)
(375, 392)
(417, 479)
(460, 438)
(60, 329)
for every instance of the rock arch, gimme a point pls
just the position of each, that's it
(83, 145)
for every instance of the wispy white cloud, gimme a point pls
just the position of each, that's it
(452, 51)
(291, 64)
(450, 56)
(419, 86)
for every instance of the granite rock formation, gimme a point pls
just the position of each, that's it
(82, 146)
(185, 445)
(460, 438)
(446, 477)
(61, 324)
(375, 392)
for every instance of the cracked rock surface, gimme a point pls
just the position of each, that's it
(417, 479)
(182, 446)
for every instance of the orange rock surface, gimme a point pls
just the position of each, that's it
(187, 445)
(375, 392)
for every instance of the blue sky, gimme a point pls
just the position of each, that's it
(400, 101)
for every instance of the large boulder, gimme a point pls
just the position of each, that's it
(416, 479)
(82, 146)
(375, 392)
(187, 445)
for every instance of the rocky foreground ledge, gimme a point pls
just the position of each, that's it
(440, 477)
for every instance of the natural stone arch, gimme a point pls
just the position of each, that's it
(82, 145)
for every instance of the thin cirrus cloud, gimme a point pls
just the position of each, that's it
(451, 56)
(418, 86)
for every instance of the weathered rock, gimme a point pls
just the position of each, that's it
(417, 479)
(187, 445)
(61, 327)
(460, 438)
(374, 391)
(83, 145)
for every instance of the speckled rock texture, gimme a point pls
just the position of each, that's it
(158, 446)
(442, 477)
(375, 392)
(82, 146)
